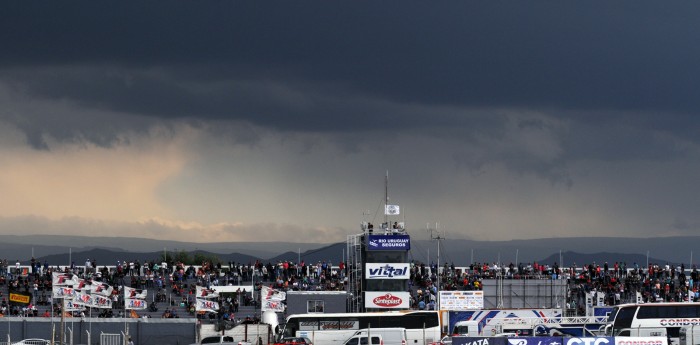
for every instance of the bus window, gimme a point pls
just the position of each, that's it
(649, 312)
(375, 341)
(689, 311)
(624, 317)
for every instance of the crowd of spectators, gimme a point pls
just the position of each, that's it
(175, 283)
(617, 282)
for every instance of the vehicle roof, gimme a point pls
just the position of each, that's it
(656, 304)
(374, 313)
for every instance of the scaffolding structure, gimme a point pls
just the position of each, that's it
(354, 264)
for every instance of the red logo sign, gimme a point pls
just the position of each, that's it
(387, 300)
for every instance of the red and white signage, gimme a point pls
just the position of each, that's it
(387, 299)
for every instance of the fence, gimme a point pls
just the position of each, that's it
(142, 331)
(112, 339)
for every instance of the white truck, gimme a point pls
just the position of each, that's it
(489, 322)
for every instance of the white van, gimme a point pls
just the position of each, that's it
(362, 340)
(389, 336)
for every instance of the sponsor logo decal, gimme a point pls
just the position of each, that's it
(387, 300)
(589, 341)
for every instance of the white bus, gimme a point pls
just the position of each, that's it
(422, 327)
(652, 319)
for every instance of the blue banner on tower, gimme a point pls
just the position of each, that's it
(388, 242)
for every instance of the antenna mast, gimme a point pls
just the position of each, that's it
(386, 197)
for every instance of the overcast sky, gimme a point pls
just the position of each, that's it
(250, 121)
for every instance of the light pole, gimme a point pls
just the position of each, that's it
(435, 235)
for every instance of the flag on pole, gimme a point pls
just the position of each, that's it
(133, 303)
(63, 292)
(102, 289)
(203, 292)
(392, 210)
(83, 299)
(270, 294)
(134, 293)
(70, 306)
(81, 284)
(134, 298)
(63, 279)
(102, 302)
(206, 305)
(276, 306)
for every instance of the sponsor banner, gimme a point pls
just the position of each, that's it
(21, 298)
(276, 306)
(387, 300)
(135, 304)
(589, 341)
(480, 341)
(205, 293)
(206, 305)
(270, 294)
(387, 271)
(63, 292)
(534, 341)
(641, 341)
(134, 293)
(388, 242)
(327, 325)
(461, 300)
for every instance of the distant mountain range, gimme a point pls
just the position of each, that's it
(57, 249)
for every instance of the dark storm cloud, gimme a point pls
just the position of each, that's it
(571, 55)
(331, 67)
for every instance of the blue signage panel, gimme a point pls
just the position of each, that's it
(535, 341)
(388, 242)
(479, 341)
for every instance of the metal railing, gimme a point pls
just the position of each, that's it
(112, 339)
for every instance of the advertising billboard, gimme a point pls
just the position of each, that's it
(387, 271)
(387, 299)
(388, 242)
(461, 300)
